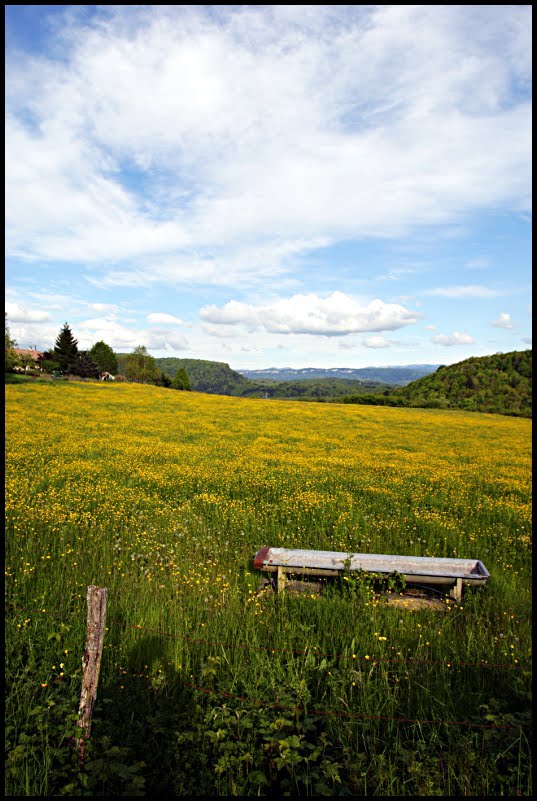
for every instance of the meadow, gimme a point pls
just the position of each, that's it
(207, 687)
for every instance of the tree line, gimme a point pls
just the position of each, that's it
(100, 361)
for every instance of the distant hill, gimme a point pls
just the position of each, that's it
(500, 384)
(319, 388)
(398, 376)
(218, 378)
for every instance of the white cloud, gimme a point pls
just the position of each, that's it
(376, 342)
(453, 339)
(472, 292)
(164, 340)
(527, 340)
(41, 335)
(503, 321)
(103, 308)
(283, 120)
(336, 315)
(122, 338)
(222, 331)
(118, 336)
(167, 319)
(20, 314)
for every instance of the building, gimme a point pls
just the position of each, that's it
(27, 356)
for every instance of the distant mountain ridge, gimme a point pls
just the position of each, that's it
(399, 376)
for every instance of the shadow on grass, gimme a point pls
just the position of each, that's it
(141, 715)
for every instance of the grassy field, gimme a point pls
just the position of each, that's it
(208, 689)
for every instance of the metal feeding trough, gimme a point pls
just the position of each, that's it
(453, 573)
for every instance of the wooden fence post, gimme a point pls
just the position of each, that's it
(91, 662)
(281, 578)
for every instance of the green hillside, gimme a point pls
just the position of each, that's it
(206, 376)
(499, 384)
(320, 388)
(219, 379)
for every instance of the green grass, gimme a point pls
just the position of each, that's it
(206, 689)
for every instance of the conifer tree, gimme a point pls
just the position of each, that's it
(85, 366)
(66, 350)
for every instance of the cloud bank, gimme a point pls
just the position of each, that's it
(336, 315)
(218, 142)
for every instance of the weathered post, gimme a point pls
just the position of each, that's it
(91, 663)
(456, 591)
(281, 578)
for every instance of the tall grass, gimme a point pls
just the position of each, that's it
(206, 688)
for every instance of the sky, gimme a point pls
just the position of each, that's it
(270, 186)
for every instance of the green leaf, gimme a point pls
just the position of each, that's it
(258, 777)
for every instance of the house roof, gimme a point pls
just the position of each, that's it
(35, 354)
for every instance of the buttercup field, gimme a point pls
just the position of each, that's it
(268, 285)
(208, 687)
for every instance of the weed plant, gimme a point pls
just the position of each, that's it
(209, 688)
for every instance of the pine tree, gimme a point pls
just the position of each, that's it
(85, 366)
(66, 350)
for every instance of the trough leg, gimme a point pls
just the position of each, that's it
(281, 579)
(456, 591)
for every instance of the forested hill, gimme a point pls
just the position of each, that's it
(206, 376)
(499, 384)
(218, 378)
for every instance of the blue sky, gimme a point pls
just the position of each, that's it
(271, 186)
